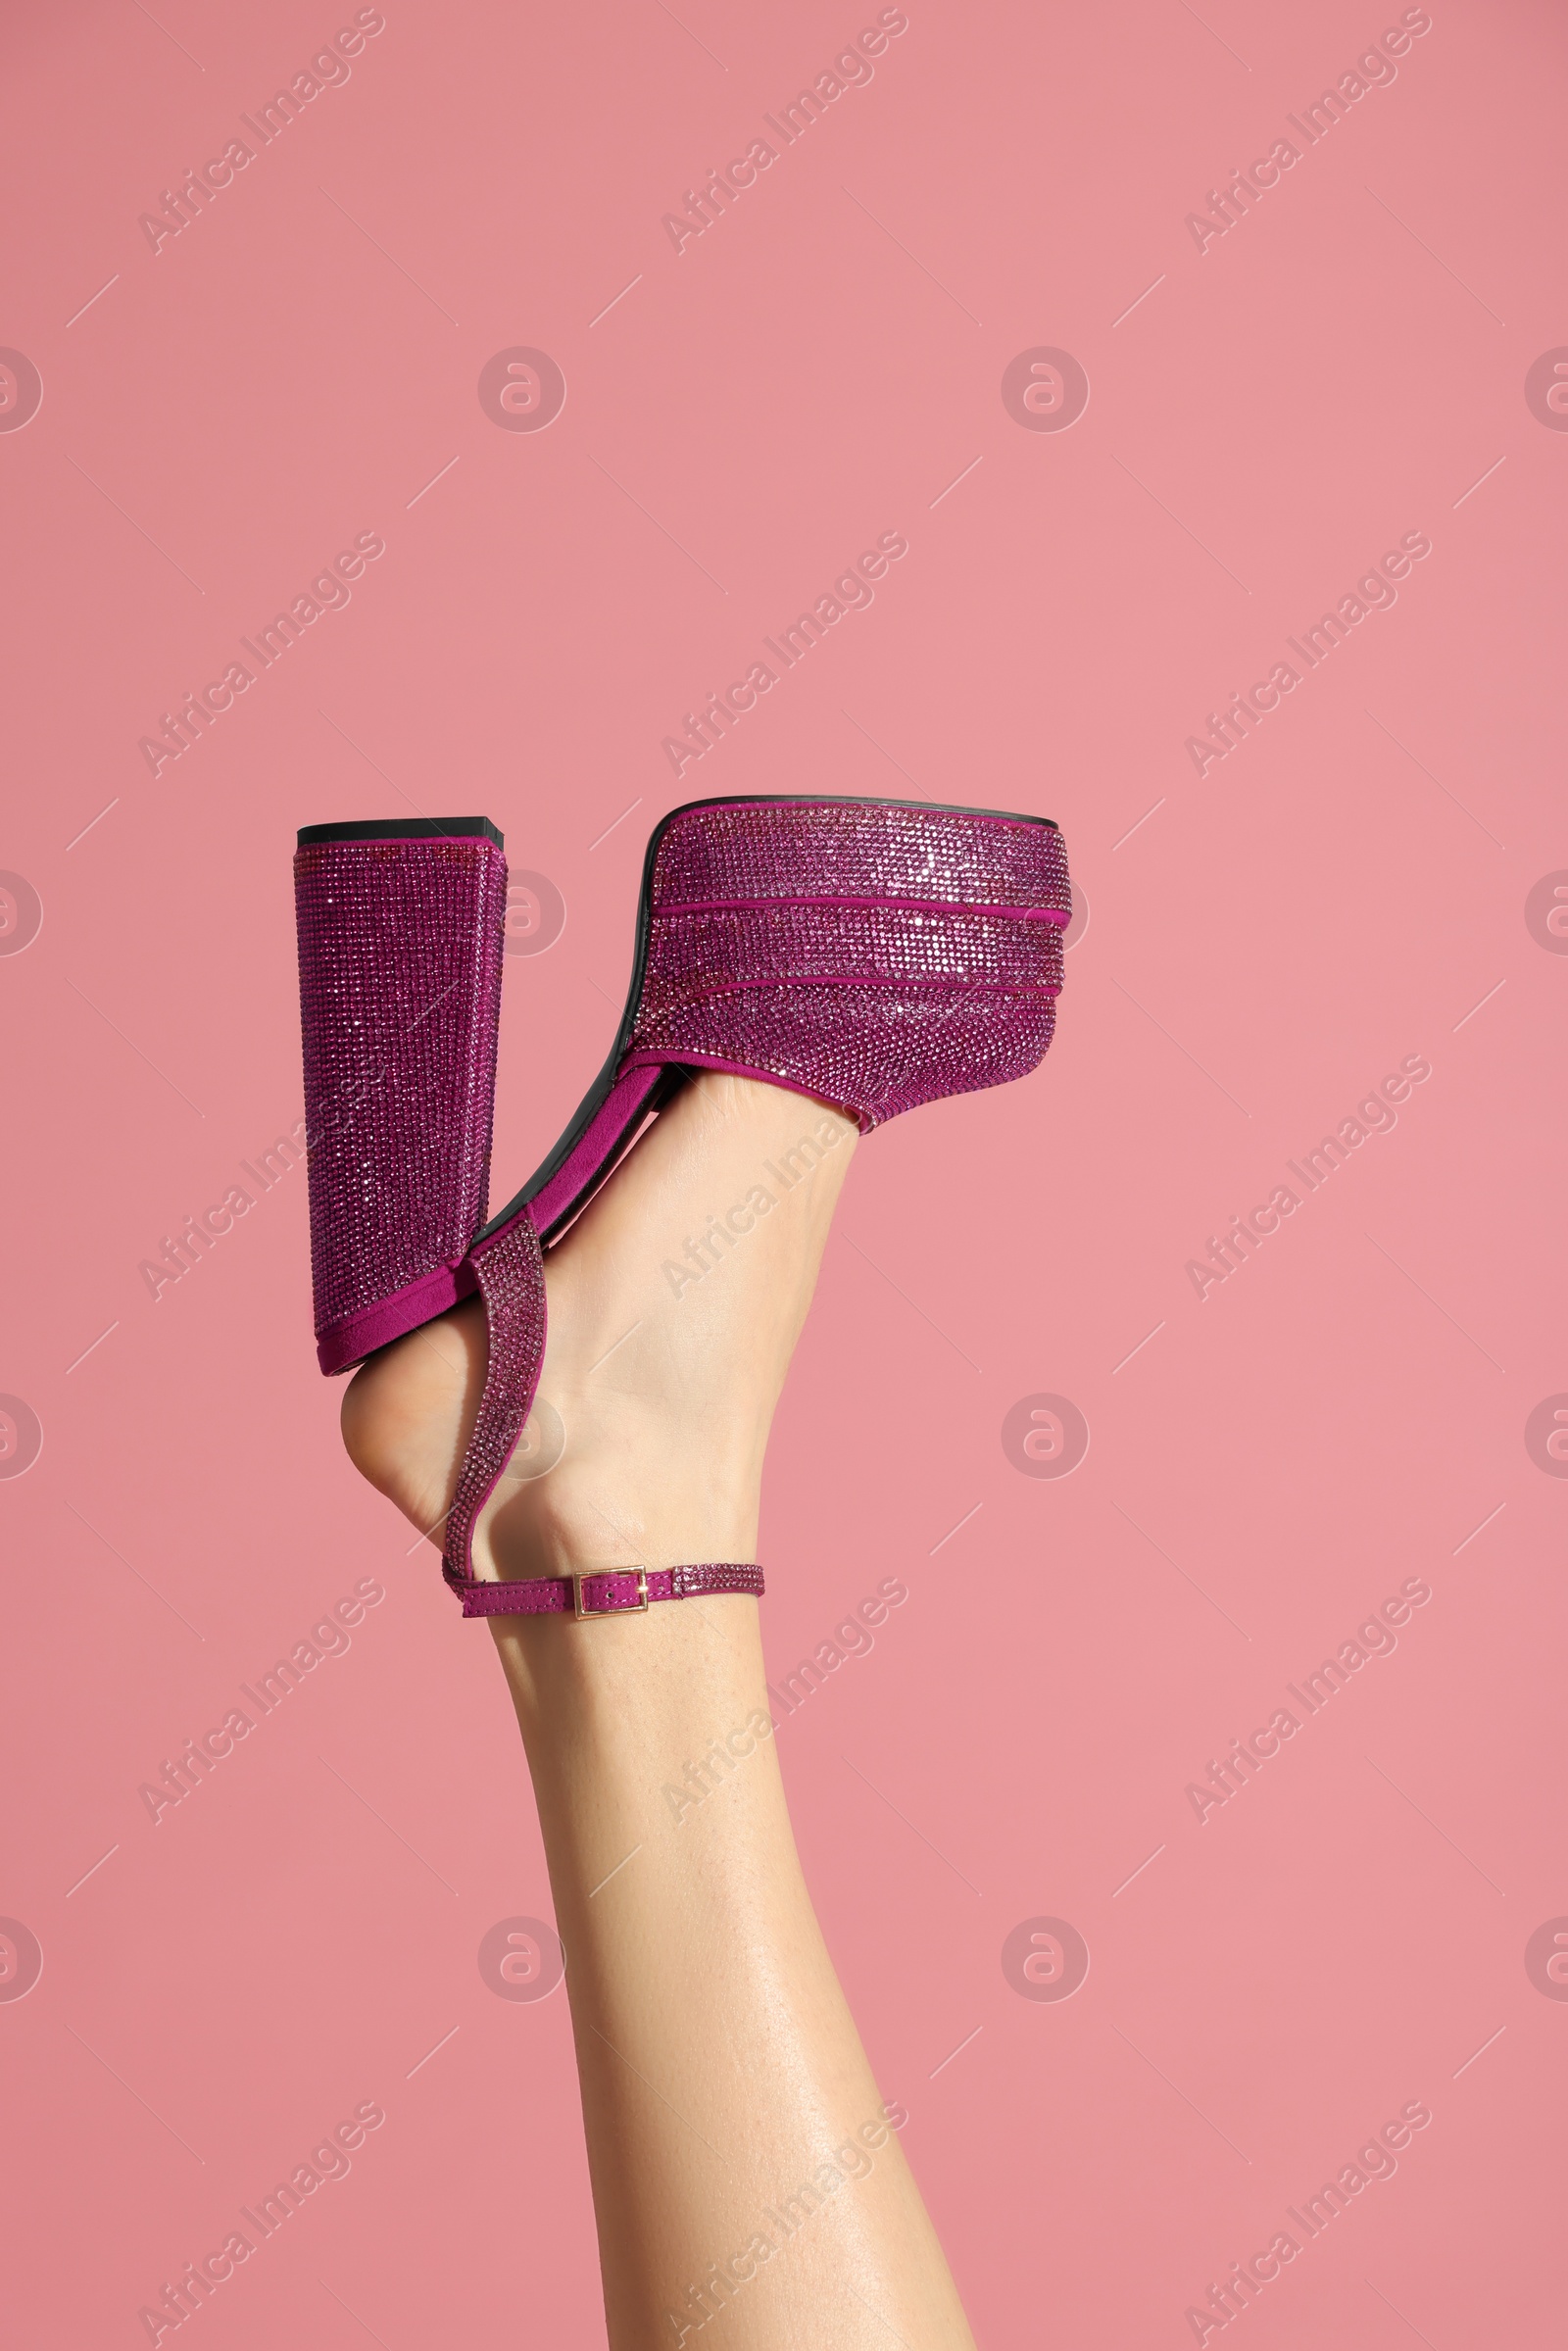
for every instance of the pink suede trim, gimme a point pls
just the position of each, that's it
(603, 1136)
(349, 1342)
(933, 906)
(861, 979)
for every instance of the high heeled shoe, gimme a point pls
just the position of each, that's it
(874, 954)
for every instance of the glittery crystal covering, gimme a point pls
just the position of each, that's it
(874, 954)
(512, 1279)
(860, 849)
(609, 1590)
(400, 945)
(878, 955)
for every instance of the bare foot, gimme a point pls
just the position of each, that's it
(674, 1305)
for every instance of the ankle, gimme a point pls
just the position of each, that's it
(627, 1505)
(629, 1698)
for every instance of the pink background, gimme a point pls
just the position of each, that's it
(1267, 1986)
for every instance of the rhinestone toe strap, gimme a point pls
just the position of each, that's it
(607, 1592)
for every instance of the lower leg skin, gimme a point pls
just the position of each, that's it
(740, 2157)
(744, 2173)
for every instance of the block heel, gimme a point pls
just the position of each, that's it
(401, 933)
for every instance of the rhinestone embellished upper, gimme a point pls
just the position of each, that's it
(876, 955)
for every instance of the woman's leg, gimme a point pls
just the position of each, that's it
(744, 2170)
(740, 2156)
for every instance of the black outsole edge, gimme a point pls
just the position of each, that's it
(405, 828)
(598, 1092)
